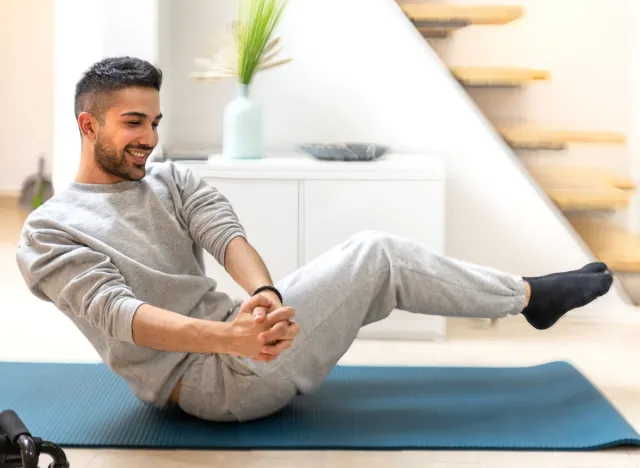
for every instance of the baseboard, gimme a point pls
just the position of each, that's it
(404, 326)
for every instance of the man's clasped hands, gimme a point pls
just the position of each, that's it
(263, 328)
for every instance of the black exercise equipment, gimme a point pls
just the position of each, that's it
(18, 449)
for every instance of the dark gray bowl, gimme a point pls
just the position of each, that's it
(344, 152)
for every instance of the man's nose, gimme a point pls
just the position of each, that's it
(149, 137)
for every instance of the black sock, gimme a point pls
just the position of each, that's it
(595, 267)
(554, 295)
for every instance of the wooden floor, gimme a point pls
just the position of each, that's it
(606, 354)
(11, 217)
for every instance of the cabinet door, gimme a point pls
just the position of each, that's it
(268, 210)
(334, 210)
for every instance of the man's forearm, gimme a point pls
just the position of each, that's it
(245, 265)
(164, 330)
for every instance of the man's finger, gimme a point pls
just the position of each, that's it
(258, 300)
(276, 348)
(282, 314)
(277, 332)
(265, 357)
(292, 331)
(259, 314)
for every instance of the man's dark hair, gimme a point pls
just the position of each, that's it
(109, 75)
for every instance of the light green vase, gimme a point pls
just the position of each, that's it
(242, 122)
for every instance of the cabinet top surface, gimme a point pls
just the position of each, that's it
(300, 166)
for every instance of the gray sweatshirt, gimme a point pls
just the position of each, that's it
(100, 251)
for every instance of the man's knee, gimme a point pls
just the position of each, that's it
(373, 240)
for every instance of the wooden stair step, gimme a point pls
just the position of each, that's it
(528, 137)
(588, 199)
(619, 249)
(498, 76)
(437, 32)
(433, 14)
(581, 176)
(583, 189)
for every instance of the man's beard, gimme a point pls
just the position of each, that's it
(116, 164)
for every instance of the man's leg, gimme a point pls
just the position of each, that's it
(364, 279)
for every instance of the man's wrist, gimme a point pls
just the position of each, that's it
(215, 337)
(272, 297)
(269, 291)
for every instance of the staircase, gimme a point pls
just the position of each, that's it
(588, 197)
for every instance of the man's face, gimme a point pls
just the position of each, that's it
(129, 133)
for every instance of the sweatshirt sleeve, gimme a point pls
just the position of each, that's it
(207, 213)
(78, 280)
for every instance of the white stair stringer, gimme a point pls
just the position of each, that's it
(362, 72)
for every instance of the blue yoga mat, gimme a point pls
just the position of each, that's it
(546, 407)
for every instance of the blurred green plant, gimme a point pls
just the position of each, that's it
(247, 47)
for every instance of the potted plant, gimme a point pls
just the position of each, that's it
(247, 48)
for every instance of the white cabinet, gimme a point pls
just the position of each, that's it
(335, 209)
(294, 208)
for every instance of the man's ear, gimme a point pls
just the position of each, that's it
(88, 126)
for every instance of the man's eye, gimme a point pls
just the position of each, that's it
(133, 123)
(155, 125)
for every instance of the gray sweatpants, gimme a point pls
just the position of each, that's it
(356, 283)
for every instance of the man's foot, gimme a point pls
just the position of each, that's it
(554, 295)
(595, 267)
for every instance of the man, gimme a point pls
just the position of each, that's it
(120, 253)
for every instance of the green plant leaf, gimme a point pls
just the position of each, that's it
(36, 201)
(257, 20)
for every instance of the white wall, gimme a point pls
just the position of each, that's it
(188, 29)
(376, 80)
(26, 89)
(163, 60)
